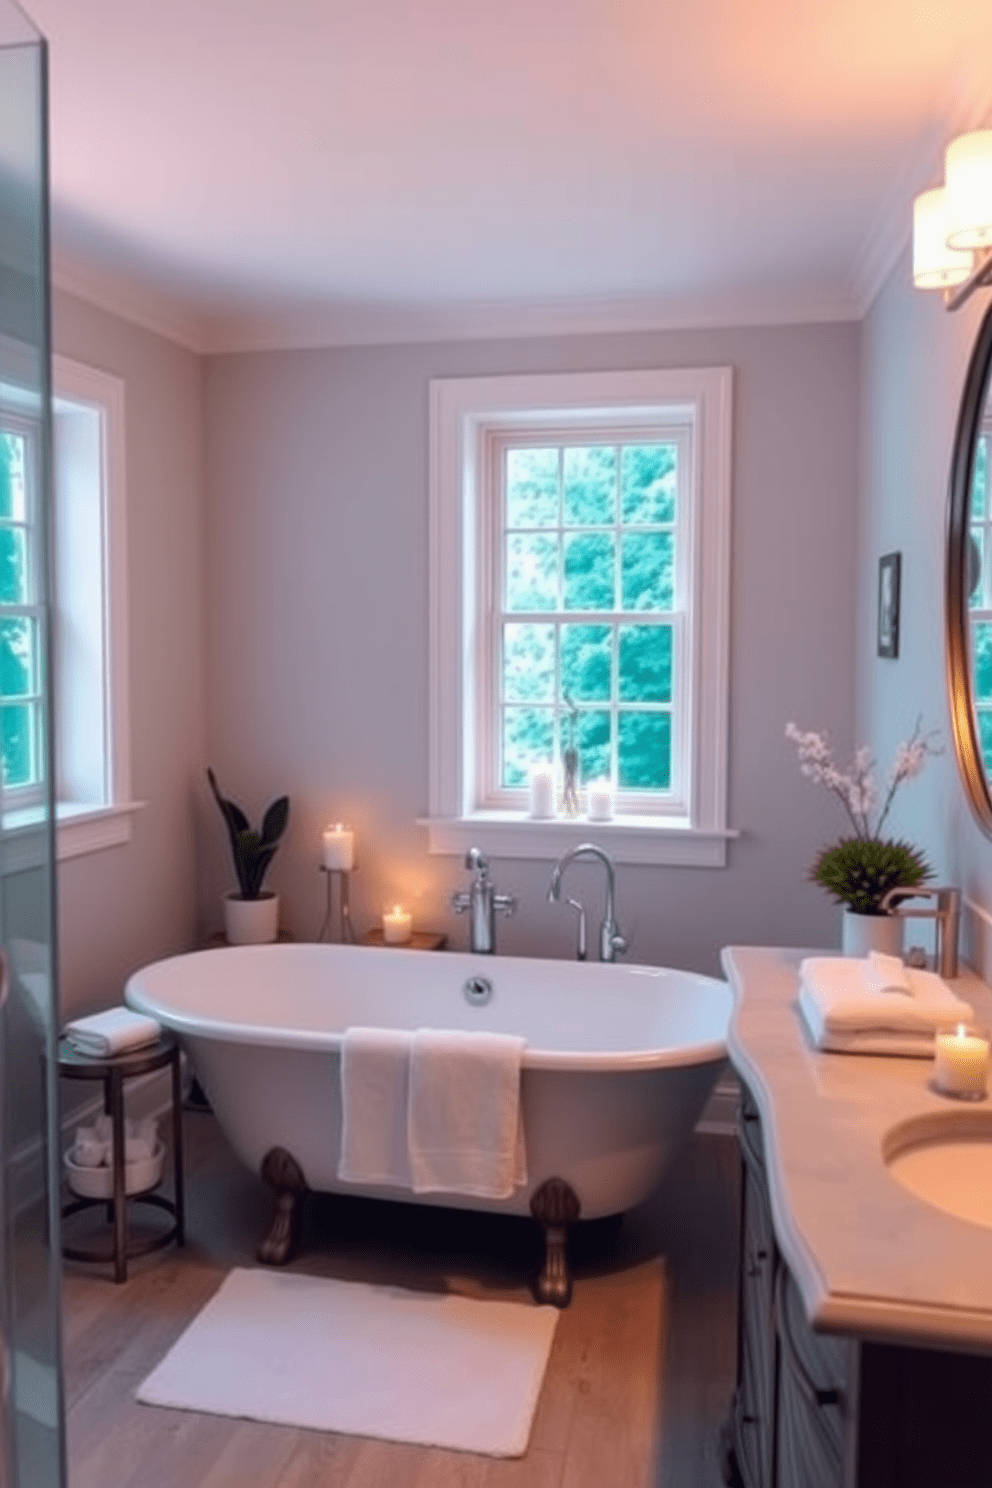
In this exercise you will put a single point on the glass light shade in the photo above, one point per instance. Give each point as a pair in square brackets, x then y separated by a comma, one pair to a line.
[935, 266]
[968, 178]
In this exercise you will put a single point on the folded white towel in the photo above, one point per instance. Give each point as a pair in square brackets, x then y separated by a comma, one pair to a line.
[465, 1127]
[117, 1031]
[887, 974]
[374, 1097]
[844, 1014]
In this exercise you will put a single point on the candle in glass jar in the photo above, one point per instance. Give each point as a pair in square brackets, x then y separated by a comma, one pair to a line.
[599, 798]
[542, 791]
[397, 925]
[339, 848]
[961, 1063]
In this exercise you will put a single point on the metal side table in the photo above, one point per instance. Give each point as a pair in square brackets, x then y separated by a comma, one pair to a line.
[112, 1072]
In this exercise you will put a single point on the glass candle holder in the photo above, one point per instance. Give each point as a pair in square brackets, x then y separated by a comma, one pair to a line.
[961, 1063]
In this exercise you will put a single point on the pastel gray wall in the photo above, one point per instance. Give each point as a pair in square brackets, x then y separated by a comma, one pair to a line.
[914, 360]
[126, 905]
[317, 616]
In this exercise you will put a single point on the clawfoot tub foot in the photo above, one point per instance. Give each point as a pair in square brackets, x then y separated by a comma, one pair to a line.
[555, 1206]
[282, 1172]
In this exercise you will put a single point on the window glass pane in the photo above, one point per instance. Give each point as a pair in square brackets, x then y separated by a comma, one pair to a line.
[13, 566]
[593, 739]
[590, 582]
[528, 739]
[17, 744]
[976, 567]
[980, 479]
[18, 650]
[528, 663]
[646, 663]
[982, 663]
[590, 486]
[531, 487]
[648, 570]
[644, 751]
[985, 736]
[586, 662]
[648, 476]
[12, 448]
[532, 573]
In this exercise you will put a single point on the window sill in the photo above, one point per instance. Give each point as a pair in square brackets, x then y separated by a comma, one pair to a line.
[628, 839]
[79, 829]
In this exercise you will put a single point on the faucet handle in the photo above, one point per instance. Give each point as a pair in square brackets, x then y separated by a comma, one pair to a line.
[461, 902]
[505, 903]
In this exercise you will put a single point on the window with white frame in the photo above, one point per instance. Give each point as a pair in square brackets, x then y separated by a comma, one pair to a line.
[579, 593]
[89, 666]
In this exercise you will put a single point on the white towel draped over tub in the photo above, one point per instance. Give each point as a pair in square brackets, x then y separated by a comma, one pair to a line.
[465, 1129]
[434, 1111]
[844, 1012]
[375, 1064]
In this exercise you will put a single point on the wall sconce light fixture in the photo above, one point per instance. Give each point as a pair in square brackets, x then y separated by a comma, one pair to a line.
[952, 225]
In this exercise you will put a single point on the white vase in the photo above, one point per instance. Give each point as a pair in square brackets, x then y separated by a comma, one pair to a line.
[863, 933]
[251, 921]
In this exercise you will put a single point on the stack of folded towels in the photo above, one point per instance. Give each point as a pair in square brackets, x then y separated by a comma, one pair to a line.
[435, 1111]
[117, 1031]
[94, 1146]
[876, 1005]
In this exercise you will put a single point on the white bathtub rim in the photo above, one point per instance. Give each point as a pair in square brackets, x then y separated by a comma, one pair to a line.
[190, 1025]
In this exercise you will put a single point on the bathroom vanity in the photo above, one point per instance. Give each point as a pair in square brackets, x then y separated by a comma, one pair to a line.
[864, 1310]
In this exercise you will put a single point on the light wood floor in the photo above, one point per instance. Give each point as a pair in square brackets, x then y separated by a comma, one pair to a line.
[638, 1383]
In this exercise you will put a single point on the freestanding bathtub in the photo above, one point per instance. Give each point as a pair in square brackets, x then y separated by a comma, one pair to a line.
[619, 1062]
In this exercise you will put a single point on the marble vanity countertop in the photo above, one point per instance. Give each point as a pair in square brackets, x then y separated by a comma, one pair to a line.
[868, 1256]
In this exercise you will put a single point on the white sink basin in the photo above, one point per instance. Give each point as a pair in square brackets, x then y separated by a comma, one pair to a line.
[945, 1159]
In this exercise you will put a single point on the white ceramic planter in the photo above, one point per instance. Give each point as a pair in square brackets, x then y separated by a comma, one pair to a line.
[861, 934]
[251, 921]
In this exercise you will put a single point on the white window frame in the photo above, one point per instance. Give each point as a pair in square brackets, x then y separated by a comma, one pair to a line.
[464, 414]
[90, 625]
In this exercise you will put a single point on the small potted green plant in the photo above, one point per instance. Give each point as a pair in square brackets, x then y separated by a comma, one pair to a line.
[858, 871]
[251, 916]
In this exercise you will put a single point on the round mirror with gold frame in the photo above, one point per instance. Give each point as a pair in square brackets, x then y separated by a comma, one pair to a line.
[968, 594]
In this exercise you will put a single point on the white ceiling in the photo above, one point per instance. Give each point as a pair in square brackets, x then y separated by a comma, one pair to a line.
[273, 172]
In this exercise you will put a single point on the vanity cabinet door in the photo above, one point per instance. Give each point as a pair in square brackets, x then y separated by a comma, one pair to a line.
[754, 1401]
[812, 1396]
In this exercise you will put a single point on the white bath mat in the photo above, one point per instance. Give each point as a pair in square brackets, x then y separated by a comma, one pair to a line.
[437, 1370]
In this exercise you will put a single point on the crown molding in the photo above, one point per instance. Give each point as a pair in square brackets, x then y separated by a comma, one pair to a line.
[129, 297]
[293, 327]
[340, 326]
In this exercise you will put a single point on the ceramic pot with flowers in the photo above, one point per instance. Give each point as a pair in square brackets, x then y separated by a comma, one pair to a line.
[859, 869]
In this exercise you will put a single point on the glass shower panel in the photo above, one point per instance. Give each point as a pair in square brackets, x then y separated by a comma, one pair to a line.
[32, 1452]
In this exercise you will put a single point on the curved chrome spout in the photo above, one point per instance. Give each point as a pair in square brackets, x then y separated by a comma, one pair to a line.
[611, 942]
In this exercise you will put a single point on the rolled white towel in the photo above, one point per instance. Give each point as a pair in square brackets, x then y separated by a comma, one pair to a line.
[89, 1150]
[116, 1031]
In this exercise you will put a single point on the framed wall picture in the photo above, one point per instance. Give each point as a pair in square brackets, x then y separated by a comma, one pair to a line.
[889, 568]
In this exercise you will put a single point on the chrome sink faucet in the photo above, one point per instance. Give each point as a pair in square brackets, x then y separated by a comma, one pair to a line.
[947, 916]
[611, 942]
[481, 902]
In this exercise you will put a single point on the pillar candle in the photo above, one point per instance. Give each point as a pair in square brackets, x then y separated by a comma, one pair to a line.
[599, 800]
[339, 848]
[961, 1063]
[397, 925]
[542, 791]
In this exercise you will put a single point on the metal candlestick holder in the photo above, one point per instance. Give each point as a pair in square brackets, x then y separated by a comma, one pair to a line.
[346, 930]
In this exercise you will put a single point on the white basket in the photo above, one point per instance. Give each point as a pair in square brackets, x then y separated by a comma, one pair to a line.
[98, 1183]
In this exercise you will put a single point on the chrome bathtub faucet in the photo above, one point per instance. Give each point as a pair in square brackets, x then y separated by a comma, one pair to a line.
[946, 914]
[481, 902]
[611, 942]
